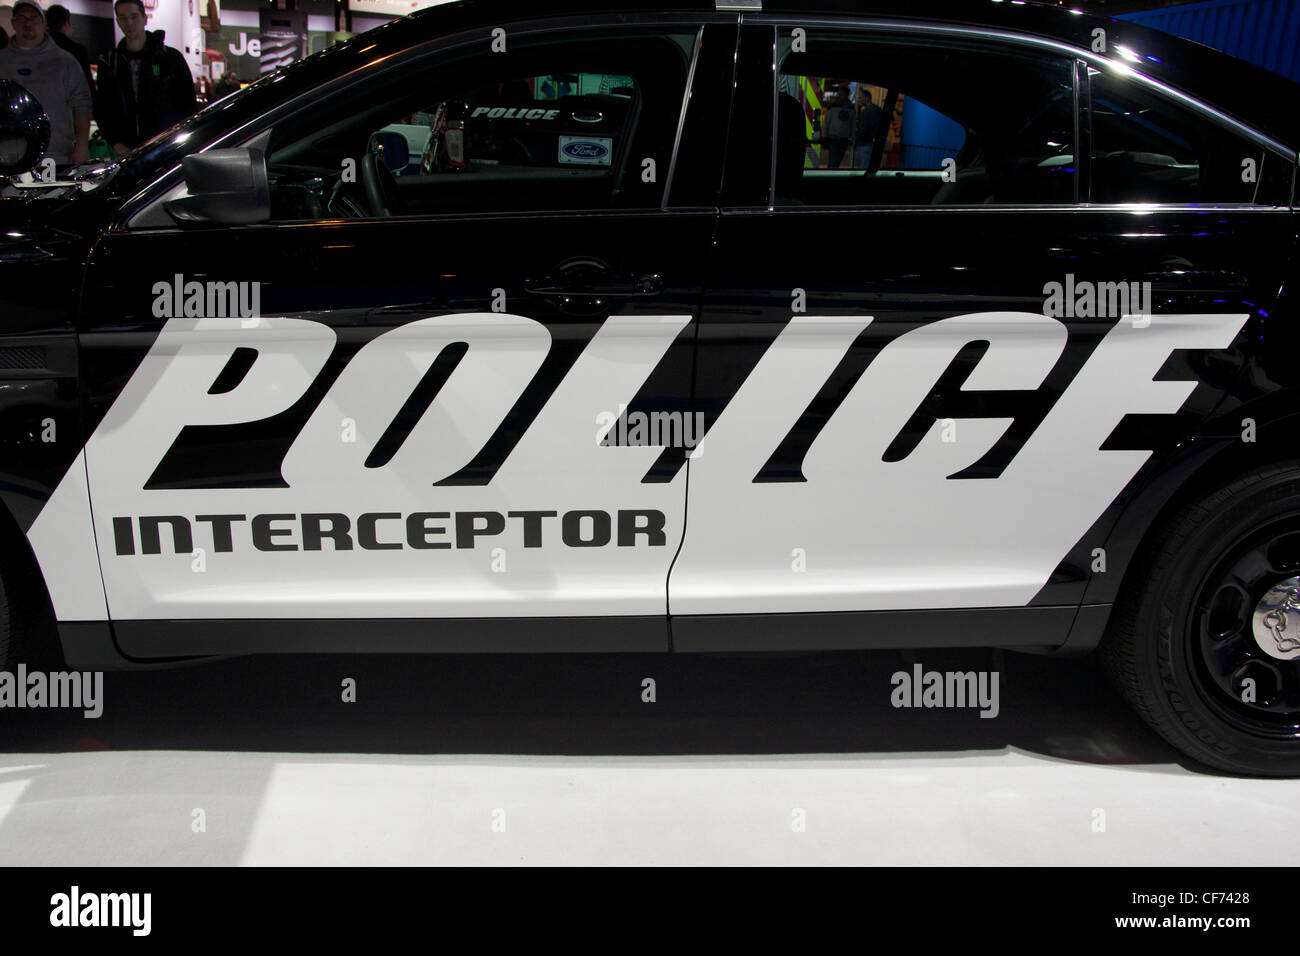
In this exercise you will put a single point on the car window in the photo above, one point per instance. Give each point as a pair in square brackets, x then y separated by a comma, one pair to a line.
[1148, 149]
[843, 117]
[576, 122]
[870, 121]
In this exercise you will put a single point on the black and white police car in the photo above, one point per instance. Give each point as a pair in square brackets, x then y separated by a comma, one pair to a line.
[633, 360]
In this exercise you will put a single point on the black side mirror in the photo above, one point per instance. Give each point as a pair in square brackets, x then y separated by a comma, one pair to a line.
[24, 129]
[392, 149]
[226, 187]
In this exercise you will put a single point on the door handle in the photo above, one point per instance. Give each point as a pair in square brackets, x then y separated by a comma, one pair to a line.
[596, 287]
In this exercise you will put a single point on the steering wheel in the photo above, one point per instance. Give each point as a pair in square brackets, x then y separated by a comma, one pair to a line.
[379, 185]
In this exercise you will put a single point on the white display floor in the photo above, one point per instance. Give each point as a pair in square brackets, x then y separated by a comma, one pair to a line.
[556, 760]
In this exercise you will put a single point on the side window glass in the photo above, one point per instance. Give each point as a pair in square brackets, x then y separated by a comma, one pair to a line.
[864, 121]
[582, 122]
[844, 117]
[1148, 149]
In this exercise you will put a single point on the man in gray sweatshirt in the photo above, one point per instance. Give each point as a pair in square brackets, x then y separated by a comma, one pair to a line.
[52, 76]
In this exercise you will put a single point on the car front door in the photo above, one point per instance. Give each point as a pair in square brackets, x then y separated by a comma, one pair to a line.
[444, 382]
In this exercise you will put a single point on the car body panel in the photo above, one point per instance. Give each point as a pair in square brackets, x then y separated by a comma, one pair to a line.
[823, 506]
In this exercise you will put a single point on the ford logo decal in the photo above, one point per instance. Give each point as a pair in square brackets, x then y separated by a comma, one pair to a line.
[585, 150]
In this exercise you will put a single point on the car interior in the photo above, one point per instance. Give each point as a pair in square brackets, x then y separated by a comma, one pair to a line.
[1016, 147]
[1144, 150]
[361, 165]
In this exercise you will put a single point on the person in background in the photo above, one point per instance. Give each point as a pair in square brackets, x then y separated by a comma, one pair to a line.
[868, 122]
[145, 87]
[59, 22]
[229, 83]
[837, 127]
[53, 77]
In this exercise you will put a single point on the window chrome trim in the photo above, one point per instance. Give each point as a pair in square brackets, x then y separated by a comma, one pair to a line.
[1082, 130]
[1113, 67]
[503, 217]
[1137, 209]
[776, 113]
[681, 117]
[310, 99]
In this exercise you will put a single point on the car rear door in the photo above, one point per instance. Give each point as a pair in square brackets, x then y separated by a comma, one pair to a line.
[912, 406]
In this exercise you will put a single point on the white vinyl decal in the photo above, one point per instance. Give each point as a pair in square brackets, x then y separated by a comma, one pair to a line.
[866, 534]
[505, 352]
[63, 540]
[568, 523]
[565, 528]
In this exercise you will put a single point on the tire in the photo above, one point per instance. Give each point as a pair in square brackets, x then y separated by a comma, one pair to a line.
[1182, 646]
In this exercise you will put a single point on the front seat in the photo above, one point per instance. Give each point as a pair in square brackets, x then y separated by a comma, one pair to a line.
[973, 184]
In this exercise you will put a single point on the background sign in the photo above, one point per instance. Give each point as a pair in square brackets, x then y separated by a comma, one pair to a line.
[283, 39]
[391, 8]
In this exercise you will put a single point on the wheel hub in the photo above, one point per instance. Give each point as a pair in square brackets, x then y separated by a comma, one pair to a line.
[1276, 622]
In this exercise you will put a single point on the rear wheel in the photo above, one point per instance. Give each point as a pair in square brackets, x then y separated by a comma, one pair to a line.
[1205, 643]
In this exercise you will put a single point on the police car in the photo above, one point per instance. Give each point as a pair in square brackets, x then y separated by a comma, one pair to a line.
[633, 360]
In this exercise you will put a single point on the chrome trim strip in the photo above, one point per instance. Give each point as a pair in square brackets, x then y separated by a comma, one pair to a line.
[719, 193]
[681, 118]
[776, 109]
[1079, 79]
[647, 213]
[1142, 209]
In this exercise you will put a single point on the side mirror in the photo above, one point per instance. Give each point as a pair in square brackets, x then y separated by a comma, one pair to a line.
[392, 150]
[24, 129]
[225, 186]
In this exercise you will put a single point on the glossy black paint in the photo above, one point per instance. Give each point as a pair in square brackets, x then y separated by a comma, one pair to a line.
[147, 640]
[832, 631]
[42, 254]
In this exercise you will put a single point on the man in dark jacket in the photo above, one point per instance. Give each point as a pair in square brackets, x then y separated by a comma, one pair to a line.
[864, 132]
[58, 22]
[144, 86]
[229, 83]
